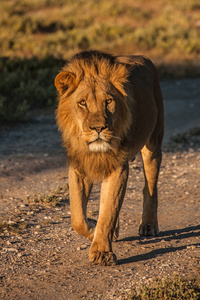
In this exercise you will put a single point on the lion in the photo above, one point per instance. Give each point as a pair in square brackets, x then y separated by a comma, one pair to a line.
[110, 109]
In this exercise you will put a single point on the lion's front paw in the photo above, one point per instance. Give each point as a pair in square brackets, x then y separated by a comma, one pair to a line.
[103, 258]
[148, 230]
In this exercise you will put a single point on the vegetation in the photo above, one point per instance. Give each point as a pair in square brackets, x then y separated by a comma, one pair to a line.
[174, 288]
[37, 36]
[60, 28]
[53, 198]
[188, 137]
[26, 84]
[12, 227]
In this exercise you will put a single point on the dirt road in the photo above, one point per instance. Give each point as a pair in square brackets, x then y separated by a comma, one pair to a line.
[41, 257]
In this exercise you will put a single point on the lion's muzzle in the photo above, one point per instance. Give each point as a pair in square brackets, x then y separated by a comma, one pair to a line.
[99, 142]
[99, 146]
[99, 137]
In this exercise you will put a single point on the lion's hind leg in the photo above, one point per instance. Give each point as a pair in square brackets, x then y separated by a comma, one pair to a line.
[152, 156]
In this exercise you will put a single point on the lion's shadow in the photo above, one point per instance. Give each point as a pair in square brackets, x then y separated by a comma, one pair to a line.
[170, 235]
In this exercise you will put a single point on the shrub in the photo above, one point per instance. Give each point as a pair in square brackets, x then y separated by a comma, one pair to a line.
[26, 84]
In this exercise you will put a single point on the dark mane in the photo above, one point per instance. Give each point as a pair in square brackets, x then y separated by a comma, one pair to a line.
[93, 55]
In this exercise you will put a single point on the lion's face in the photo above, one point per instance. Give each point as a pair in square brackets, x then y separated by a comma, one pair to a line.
[95, 105]
[92, 114]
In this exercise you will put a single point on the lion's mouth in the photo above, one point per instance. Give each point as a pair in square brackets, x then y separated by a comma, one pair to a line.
[98, 140]
[99, 145]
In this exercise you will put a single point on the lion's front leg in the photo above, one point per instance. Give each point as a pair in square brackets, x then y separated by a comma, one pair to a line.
[112, 195]
[79, 191]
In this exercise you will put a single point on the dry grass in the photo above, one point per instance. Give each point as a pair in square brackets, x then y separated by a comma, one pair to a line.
[37, 36]
[12, 227]
[61, 28]
[175, 287]
[52, 198]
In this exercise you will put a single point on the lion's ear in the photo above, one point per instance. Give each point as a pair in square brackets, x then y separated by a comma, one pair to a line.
[63, 81]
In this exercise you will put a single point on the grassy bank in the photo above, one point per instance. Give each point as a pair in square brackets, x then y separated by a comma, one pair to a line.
[36, 38]
[175, 287]
[60, 28]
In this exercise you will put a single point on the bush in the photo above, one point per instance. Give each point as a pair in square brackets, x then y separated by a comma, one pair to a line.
[26, 84]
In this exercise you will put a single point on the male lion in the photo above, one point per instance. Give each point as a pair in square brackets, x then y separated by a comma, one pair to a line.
[110, 108]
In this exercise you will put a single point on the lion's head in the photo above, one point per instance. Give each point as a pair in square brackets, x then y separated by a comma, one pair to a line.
[92, 114]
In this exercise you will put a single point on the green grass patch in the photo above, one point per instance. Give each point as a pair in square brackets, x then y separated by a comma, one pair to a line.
[169, 288]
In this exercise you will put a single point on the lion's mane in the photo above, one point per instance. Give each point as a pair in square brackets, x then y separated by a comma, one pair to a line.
[94, 65]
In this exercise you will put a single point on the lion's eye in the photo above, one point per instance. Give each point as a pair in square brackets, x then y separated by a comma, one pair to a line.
[108, 101]
[82, 103]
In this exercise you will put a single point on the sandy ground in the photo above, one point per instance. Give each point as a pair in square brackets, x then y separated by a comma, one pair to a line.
[41, 257]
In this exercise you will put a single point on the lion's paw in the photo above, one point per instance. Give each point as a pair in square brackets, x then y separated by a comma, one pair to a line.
[148, 230]
[103, 258]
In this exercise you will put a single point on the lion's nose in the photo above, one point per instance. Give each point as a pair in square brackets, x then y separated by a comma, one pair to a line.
[98, 129]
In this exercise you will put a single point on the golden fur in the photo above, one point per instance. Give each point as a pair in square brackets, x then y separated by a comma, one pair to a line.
[96, 165]
[110, 108]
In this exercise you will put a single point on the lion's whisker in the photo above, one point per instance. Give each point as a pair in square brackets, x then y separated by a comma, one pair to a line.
[116, 137]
